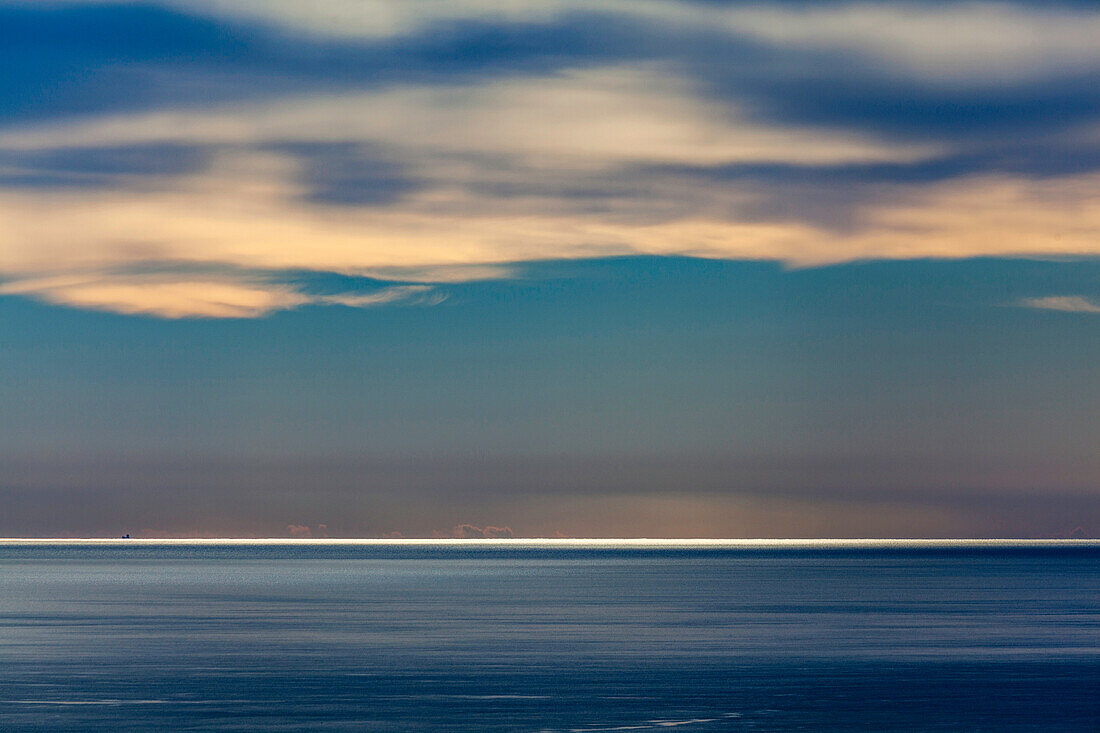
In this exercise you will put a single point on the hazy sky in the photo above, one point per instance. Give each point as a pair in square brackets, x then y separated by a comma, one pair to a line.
[588, 267]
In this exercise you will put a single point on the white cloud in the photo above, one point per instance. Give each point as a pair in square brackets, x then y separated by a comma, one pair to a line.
[250, 211]
[395, 294]
[1065, 303]
[579, 119]
[968, 42]
[959, 43]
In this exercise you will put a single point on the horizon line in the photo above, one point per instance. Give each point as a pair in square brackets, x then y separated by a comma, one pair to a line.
[562, 541]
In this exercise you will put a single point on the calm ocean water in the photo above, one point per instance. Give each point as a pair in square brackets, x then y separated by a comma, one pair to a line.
[141, 637]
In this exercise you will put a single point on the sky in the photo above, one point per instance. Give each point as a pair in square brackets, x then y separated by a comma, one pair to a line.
[663, 268]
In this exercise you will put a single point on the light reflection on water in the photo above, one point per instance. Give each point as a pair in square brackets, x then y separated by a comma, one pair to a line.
[503, 637]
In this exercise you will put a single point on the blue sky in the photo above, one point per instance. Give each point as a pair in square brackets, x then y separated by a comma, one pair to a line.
[649, 267]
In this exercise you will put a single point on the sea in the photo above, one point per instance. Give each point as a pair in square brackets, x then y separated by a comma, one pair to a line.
[579, 636]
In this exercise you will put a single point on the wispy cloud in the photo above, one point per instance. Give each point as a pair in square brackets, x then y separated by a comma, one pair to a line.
[944, 41]
[1065, 303]
[173, 296]
[430, 142]
[246, 212]
[577, 119]
[965, 43]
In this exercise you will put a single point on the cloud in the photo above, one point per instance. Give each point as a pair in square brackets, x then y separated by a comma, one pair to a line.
[422, 294]
[578, 119]
[247, 212]
[945, 42]
[305, 532]
[350, 173]
[188, 159]
[99, 166]
[167, 297]
[470, 532]
[299, 531]
[870, 65]
[384, 18]
[959, 44]
[171, 296]
[1064, 303]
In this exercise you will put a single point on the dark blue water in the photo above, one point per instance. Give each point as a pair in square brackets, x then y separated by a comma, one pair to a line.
[359, 638]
